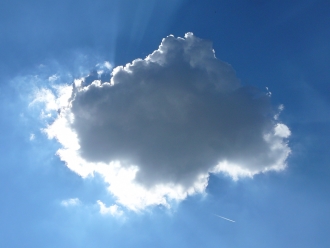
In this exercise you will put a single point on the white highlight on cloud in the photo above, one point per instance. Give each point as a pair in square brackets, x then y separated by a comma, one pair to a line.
[112, 210]
[282, 130]
[70, 202]
[233, 170]
[32, 136]
[46, 96]
[163, 123]
[55, 99]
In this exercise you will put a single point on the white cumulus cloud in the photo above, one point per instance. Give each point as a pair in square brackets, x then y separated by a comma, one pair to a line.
[161, 124]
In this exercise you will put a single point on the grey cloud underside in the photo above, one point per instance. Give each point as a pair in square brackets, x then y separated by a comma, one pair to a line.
[175, 115]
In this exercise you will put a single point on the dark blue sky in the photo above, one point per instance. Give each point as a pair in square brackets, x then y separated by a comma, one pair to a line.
[276, 44]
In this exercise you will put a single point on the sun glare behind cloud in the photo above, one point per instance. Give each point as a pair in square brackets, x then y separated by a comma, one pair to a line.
[161, 124]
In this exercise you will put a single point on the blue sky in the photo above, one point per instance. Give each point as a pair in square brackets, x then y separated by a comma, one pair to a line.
[276, 44]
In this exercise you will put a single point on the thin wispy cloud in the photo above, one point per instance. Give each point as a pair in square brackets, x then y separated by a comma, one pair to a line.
[113, 210]
[70, 202]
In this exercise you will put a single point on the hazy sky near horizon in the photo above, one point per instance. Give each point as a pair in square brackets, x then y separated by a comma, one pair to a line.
[140, 123]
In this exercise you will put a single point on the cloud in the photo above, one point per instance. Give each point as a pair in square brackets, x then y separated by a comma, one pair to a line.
[282, 130]
[112, 210]
[160, 125]
[70, 202]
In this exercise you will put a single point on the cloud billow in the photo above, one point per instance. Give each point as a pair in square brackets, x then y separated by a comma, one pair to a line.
[171, 119]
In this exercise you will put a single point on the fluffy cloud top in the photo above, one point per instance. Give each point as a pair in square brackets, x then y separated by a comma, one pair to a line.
[163, 123]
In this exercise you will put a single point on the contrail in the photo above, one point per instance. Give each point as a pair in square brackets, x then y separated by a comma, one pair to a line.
[224, 218]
